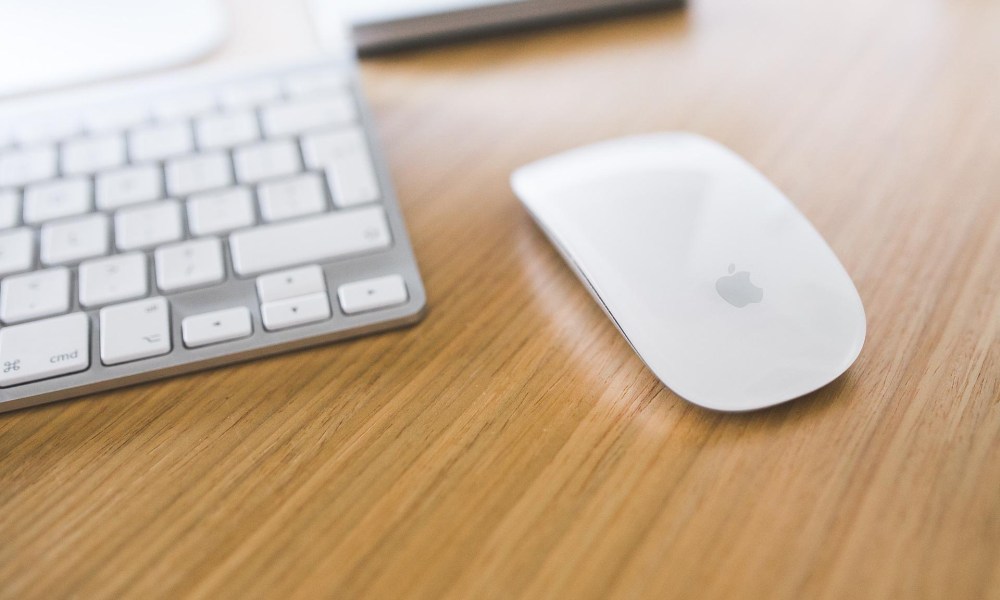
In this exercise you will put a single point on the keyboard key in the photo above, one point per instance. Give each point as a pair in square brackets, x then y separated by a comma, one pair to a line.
[288, 198]
[321, 81]
[218, 326]
[44, 349]
[345, 156]
[250, 94]
[189, 265]
[20, 167]
[148, 225]
[129, 186]
[10, 207]
[135, 330]
[17, 250]
[325, 237]
[220, 212]
[85, 156]
[372, 294]
[56, 199]
[198, 173]
[113, 279]
[34, 295]
[297, 117]
[157, 142]
[326, 147]
[266, 160]
[293, 283]
[227, 130]
[73, 240]
[295, 311]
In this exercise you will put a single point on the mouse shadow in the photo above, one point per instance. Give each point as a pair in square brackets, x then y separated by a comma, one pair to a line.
[802, 407]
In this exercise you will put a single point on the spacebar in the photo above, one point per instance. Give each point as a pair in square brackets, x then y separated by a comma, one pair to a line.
[324, 237]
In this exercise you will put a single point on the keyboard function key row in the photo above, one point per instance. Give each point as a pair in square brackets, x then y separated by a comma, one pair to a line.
[300, 116]
[122, 115]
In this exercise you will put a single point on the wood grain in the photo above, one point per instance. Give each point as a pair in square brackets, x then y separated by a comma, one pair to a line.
[511, 445]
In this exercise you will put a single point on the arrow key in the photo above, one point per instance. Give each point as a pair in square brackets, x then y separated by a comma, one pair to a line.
[218, 326]
[283, 314]
[372, 294]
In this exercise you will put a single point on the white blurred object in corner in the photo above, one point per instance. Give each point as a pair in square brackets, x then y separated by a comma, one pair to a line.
[47, 44]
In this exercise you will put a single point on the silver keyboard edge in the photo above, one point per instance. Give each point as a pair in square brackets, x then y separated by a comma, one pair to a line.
[77, 392]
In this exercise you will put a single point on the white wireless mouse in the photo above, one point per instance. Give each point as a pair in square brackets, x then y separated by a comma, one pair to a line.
[718, 282]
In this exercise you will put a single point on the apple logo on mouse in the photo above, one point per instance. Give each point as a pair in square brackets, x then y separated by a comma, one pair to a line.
[737, 289]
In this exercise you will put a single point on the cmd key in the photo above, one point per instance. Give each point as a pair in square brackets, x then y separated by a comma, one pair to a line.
[44, 349]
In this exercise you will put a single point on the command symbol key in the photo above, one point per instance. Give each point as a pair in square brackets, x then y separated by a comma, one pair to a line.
[44, 349]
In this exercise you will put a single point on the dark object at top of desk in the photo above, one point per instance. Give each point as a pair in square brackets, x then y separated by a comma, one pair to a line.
[396, 32]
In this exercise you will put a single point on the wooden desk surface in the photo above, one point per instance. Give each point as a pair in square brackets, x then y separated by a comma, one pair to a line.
[512, 445]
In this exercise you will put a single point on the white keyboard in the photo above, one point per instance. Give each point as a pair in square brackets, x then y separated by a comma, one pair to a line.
[172, 225]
